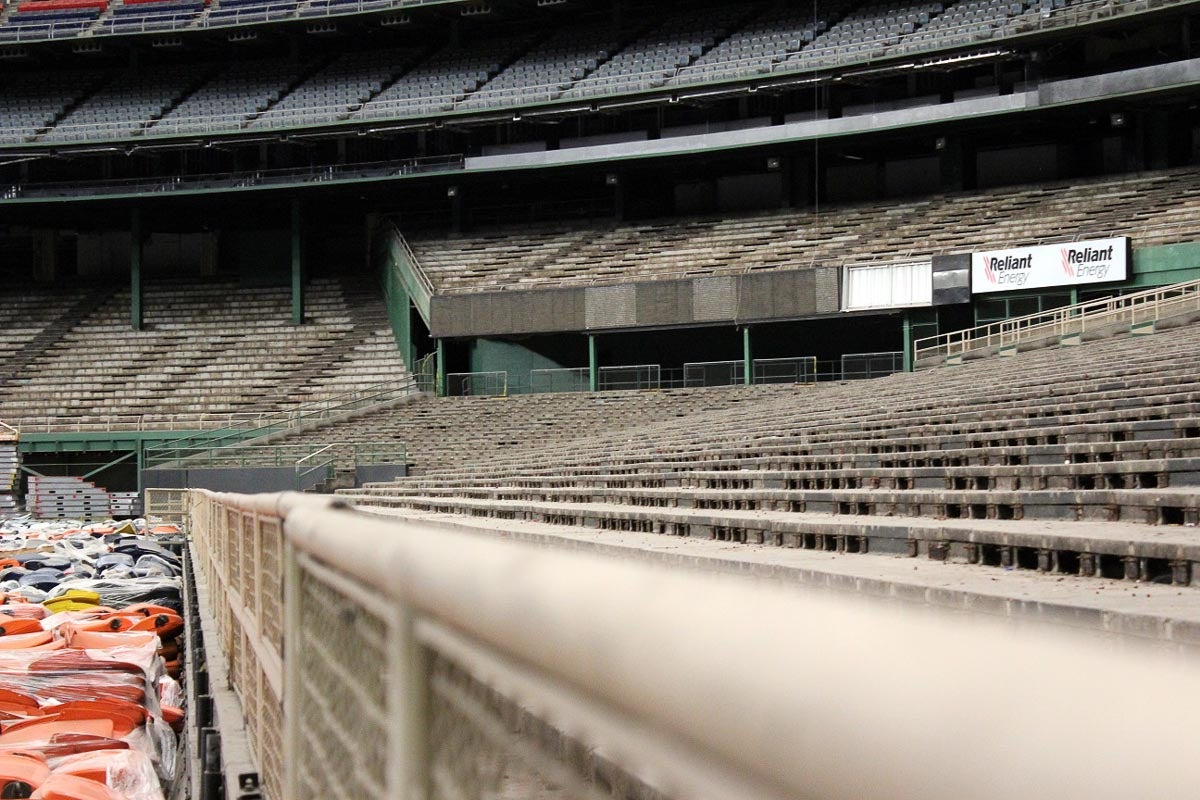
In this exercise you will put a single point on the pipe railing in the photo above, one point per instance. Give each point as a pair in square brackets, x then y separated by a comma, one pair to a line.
[360, 400]
[344, 455]
[254, 178]
[8, 433]
[1144, 306]
[124, 423]
[425, 660]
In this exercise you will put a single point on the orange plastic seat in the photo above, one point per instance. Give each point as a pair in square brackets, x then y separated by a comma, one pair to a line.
[106, 624]
[65, 691]
[125, 715]
[25, 767]
[165, 625]
[44, 730]
[61, 786]
[20, 641]
[146, 609]
[173, 716]
[95, 640]
[10, 626]
[9, 697]
[69, 744]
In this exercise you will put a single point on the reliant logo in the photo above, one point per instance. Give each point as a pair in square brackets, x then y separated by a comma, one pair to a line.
[1007, 271]
[1087, 262]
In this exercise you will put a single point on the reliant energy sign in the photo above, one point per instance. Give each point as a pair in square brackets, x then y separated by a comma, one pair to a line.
[1066, 264]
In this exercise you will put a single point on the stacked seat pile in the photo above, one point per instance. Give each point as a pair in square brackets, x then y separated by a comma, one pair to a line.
[90, 708]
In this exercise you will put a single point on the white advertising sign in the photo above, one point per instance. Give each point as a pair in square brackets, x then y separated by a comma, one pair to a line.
[1066, 264]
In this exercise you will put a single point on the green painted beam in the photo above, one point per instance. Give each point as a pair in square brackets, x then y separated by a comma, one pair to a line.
[135, 269]
[297, 265]
[103, 441]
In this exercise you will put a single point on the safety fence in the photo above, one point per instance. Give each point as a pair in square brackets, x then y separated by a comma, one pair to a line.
[384, 658]
[692, 375]
[1137, 308]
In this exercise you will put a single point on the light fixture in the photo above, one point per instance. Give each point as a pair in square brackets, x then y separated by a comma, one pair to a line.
[452, 192]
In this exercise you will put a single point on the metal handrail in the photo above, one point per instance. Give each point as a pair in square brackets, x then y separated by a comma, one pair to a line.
[8, 432]
[414, 263]
[253, 178]
[280, 455]
[592, 647]
[118, 423]
[359, 400]
[1060, 321]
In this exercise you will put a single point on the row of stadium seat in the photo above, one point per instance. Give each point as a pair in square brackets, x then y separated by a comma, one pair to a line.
[1153, 208]
[207, 348]
[991, 460]
[677, 48]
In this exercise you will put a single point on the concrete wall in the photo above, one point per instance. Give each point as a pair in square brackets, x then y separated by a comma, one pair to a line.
[783, 294]
[249, 480]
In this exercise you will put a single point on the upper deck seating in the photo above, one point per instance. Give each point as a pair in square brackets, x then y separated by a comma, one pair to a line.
[1152, 208]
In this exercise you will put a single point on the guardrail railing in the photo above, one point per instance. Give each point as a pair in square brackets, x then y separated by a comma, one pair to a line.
[340, 455]
[375, 396]
[126, 423]
[249, 179]
[8, 433]
[1144, 306]
[424, 661]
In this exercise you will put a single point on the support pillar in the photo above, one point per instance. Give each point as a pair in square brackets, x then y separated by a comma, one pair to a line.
[135, 269]
[593, 365]
[747, 358]
[440, 378]
[908, 342]
[297, 266]
[1074, 295]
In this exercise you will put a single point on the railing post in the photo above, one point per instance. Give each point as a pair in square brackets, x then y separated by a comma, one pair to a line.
[292, 731]
[297, 254]
[747, 358]
[408, 732]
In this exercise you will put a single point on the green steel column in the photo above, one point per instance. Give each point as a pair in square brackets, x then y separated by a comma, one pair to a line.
[908, 342]
[141, 463]
[747, 358]
[297, 266]
[135, 269]
[593, 365]
[1074, 295]
[440, 381]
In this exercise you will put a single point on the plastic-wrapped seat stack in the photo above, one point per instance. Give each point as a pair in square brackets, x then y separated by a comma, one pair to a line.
[89, 654]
